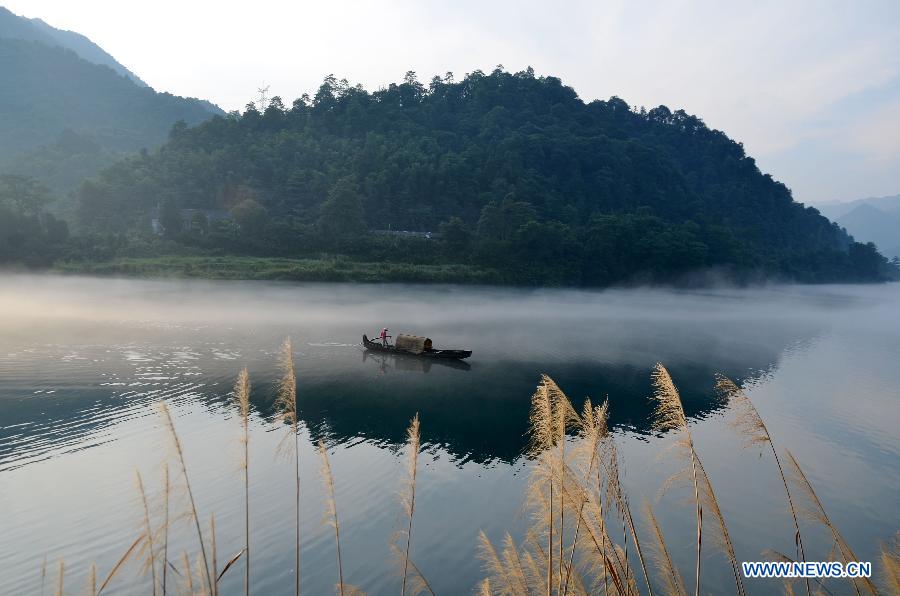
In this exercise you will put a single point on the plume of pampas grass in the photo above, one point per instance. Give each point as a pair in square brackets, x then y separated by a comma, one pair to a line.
[286, 405]
[815, 511]
[484, 588]
[331, 515]
[62, 575]
[148, 529]
[620, 498]
[497, 568]
[120, 563]
[669, 412]
[92, 580]
[408, 496]
[751, 425]
[551, 414]
[890, 561]
[672, 580]
[43, 574]
[242, 397]
[176, 442]
[669, 415]
[188, 572]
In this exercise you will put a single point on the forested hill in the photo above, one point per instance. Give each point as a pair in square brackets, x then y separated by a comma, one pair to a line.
[514, 172]
[16, 27]
[67, 108]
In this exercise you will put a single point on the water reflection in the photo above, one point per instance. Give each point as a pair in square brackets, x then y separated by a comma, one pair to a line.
[82, 361]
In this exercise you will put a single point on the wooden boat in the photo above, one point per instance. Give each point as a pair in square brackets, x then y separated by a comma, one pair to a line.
[414, 345]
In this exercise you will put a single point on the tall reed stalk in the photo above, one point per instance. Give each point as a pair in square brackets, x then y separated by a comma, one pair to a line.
[815, 511]
[92, 580]
[331, 514]
[148, 529]
[166, 489]
[751, 425]
[242, 396]
[408, 497]
[176, 441]
[215, 561]
[286, 404]
[60, 585]
[669, 415]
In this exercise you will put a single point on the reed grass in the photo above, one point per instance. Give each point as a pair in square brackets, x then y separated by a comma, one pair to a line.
[176, 442]
[242, 396]
[286, 405]
[672, 580]
[751, 426]
[92, 580]
[669, 415]
[574, 493]
[165, 528]
[60, 586]
[408, 495]
[188, 573]
[119, 564]
[890, 560]
[215, 561]
[815, 511]
[148, 530]
[331, 514]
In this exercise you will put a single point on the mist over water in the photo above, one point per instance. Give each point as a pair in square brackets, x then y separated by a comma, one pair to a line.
[83, 361]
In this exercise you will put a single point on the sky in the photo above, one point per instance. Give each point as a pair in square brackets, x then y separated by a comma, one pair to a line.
[811, 88]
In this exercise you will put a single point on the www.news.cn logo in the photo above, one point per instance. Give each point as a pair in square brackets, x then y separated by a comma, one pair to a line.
[809, 569]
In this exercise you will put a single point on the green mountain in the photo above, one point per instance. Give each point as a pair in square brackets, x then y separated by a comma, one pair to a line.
[68, 109]
[511, 172]
[16, 27]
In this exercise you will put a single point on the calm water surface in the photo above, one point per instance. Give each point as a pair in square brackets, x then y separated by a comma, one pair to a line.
[84, 361]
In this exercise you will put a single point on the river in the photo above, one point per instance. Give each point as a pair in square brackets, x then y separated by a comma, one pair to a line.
[84, 362]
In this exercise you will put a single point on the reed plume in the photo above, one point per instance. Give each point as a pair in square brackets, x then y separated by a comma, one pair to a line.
[331, 515]
[890, 561]
[43, 574]
[408, 496]
[815, 511]
[62, 575]
[593, 432]
[188, 572]
[751, 425]
[148, 530]
[242, 397]
[286, 405]
[497, 569]
[669, 415]
[92, 580]
[176, 442]
[672, 580]
[551, 415]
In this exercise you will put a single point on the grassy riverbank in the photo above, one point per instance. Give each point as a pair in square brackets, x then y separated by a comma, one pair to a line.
[271, 268]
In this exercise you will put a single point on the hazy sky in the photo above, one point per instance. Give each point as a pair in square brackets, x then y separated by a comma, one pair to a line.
[812, 89]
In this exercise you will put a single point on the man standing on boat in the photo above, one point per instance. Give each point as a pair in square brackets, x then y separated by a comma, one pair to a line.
[384, 337]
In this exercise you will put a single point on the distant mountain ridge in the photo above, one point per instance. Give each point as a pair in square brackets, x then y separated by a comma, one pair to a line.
[68, 108]
[15, 27]
[874, 219]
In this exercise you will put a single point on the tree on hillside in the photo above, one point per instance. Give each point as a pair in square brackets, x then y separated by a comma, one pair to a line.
[342, 215]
